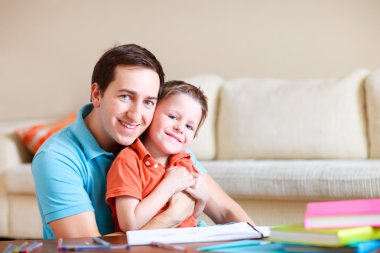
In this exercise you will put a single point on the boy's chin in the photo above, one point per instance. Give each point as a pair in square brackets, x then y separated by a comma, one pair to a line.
[173, 151]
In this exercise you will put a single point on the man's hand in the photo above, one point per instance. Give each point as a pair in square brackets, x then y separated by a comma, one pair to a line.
[181, 206]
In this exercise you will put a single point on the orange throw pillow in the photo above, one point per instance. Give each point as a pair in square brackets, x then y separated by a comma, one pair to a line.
[34, 136]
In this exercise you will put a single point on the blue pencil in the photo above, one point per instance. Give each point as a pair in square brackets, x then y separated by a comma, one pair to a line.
[92, 247]
[100, 241]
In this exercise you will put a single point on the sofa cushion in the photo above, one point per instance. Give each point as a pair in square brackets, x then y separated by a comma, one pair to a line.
[280, 119]
[298, 179]
[372, 87]
[204, 145]
[35, 135]
[19, 180]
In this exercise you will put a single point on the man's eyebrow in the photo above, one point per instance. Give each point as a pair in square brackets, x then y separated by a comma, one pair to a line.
[128, 91]
[134, 93]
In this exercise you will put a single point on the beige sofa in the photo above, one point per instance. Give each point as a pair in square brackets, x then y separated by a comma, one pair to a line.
[272, 144]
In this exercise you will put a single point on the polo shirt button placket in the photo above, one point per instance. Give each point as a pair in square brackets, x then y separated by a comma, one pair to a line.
[155, 166]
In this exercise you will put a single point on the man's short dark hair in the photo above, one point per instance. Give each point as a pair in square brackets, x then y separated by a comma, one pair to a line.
[125, 55]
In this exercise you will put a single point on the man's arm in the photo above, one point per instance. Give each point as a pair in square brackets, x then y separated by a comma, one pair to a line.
[65, 205]
[79, 225]
[220, 207]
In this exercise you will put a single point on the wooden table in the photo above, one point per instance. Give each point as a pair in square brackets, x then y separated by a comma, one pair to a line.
[50, 246]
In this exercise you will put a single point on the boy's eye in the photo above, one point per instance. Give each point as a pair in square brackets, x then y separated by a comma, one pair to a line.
[172, 116]
[190, 127]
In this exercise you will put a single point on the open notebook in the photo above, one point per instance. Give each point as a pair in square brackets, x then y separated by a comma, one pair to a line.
[234, 231]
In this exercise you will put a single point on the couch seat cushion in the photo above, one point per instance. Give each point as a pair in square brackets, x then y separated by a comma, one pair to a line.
[298, 179]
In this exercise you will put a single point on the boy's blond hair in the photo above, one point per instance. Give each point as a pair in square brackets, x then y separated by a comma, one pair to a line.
[176, 87]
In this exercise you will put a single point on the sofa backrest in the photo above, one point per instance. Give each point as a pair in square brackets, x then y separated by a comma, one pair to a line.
[204, 145]
[281, 119]
[372, 87]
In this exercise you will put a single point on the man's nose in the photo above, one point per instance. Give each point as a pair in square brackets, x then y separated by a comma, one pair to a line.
[134, 112]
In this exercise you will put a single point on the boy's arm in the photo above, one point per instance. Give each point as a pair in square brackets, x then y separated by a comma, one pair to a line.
[220, 207]
[133, 214]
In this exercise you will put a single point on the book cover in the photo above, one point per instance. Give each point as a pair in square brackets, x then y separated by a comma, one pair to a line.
[340, 214]
[296, 233]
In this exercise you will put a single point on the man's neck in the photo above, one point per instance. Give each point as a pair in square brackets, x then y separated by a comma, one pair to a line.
[92, 121]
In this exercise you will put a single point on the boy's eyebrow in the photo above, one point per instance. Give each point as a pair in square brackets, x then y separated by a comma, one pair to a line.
[134, 93]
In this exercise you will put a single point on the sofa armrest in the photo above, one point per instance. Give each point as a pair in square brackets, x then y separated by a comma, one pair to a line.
[12, 151]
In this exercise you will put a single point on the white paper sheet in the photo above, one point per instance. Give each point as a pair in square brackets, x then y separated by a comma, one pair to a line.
[235, 231]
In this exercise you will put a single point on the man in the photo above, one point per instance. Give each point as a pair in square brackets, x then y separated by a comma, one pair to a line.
[70, 168]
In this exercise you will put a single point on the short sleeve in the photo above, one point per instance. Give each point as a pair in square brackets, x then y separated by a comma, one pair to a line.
[197, 164]
[59, 186]
[123, 178]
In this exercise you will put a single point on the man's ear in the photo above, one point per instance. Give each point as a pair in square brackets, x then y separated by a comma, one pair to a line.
[95, 95]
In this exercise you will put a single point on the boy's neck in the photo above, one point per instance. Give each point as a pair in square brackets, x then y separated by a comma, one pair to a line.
[154, 152]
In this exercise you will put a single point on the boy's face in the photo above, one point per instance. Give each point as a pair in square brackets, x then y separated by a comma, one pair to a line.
[127, 106]
[174, 125]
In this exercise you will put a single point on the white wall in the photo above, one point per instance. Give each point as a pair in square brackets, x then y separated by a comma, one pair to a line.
[49, 47]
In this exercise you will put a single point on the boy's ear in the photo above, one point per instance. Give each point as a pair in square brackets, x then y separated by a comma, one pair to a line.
[95, 95]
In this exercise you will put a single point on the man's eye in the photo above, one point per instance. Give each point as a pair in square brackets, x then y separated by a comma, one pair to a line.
[149, 103]
[125, 97]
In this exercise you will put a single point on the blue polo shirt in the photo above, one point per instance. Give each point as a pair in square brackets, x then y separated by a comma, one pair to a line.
[69, 172]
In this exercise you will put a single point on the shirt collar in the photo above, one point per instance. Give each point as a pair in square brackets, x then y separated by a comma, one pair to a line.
[89, 144]
[143, 154]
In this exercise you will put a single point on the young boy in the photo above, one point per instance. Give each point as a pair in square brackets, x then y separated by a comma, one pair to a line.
[140, 181]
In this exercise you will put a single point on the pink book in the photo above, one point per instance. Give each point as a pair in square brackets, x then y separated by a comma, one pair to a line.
[344, 213]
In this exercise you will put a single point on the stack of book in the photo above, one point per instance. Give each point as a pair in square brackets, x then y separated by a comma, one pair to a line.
[333, 226]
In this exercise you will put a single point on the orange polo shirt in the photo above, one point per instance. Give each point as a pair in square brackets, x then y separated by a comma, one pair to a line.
[135, 173]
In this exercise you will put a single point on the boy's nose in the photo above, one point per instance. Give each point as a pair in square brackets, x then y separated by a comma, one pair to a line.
[178, 128]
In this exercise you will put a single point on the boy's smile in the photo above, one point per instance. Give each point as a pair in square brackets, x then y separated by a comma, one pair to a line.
[174, 124]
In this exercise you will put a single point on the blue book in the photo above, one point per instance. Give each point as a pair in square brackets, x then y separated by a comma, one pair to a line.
[256, 246]
[359, 247]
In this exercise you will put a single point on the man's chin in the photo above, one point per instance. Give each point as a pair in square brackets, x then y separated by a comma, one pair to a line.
[127, 141]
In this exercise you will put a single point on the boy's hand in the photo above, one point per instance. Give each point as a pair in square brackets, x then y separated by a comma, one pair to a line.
[199, 191]
[178, 179]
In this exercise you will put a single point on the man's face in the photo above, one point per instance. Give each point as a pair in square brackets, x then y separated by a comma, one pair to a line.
[174, 125]
[126, 108]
